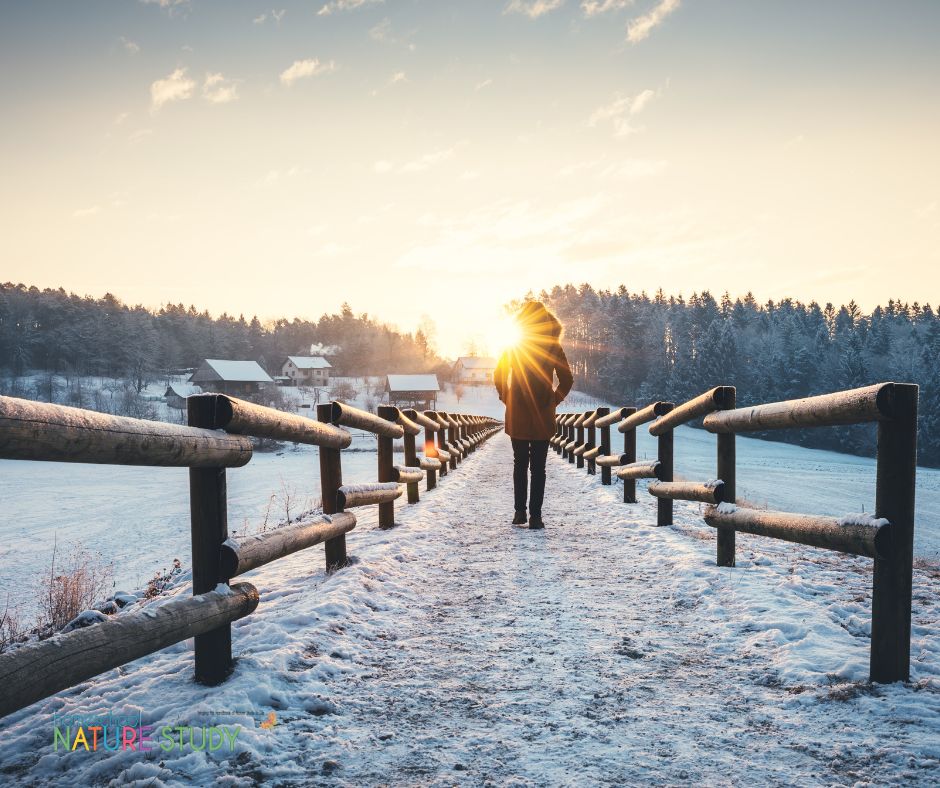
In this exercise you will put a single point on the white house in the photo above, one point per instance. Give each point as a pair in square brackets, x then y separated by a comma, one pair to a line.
[474, 369]
[306, 370]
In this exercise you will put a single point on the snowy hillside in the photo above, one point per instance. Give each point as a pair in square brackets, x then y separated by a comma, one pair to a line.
[460, 651]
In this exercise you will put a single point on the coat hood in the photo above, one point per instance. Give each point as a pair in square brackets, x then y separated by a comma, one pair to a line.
[536, 320]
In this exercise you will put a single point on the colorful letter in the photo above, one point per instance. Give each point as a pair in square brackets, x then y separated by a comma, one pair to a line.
[80, 736]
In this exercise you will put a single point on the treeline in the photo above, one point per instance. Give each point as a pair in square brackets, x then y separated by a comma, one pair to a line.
[63, 333]
[630, 348]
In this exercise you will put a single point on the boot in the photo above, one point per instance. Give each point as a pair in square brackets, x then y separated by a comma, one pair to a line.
[519, 519]
[535, 522]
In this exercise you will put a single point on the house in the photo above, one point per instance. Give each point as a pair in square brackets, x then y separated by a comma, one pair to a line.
[237, 378]
[176, 394]
[306, 370]
[474, 369]
[412, 391]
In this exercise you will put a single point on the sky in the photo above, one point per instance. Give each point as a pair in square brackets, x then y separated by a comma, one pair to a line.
[429, 157]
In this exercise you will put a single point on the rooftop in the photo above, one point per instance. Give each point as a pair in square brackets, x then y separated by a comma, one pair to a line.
[309, 362]
[237, 371]
[412, 383]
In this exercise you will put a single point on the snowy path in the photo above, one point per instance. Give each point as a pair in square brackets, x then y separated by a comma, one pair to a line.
[458, 650]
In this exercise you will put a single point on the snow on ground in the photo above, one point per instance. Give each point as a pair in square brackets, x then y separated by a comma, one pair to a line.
[790, 478]
[138, 518]
[457, 650]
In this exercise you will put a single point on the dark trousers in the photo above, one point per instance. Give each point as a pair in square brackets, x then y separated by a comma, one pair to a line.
[526, 454]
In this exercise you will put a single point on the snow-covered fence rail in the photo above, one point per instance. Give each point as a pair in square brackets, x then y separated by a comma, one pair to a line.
[458, 435]
[56, 433]
[218, 437]
[37, 670]
[888, 537]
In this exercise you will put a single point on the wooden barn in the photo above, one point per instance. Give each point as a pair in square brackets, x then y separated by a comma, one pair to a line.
[223, 376]
[176, 394]
[412, 391]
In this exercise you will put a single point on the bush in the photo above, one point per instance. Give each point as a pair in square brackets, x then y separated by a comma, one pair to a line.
[72, 587]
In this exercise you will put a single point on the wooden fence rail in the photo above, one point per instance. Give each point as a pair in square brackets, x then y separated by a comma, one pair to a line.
[217, 437]
[888, 537]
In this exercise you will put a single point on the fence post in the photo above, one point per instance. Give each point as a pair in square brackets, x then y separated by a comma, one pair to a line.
[605, 448]
[331, 479]
[664, 505]
[727, 472]
[386, 465]
[430, 451]
[571, 433]
[411, 457]
[629, 449]
[452, 441]
[579, 460]
[894, 500]
[605, 445]
[441, 444]
[592, 442]
[209, 529]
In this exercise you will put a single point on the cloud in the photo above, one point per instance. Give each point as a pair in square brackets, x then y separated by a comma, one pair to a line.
[428, 160]
[382, 31]
[218, 90]
[131, 47]
[345, 5]
[485, 83]
[640, 27]
[398, 76]
[630, 169]
[641, 100]
[139, 136]
[620, 110]
[81, 213]
[276, 15]
[170, 6]
[597, 7]
[176, 87]
[301, 69]
[532, 8]
[422, 163]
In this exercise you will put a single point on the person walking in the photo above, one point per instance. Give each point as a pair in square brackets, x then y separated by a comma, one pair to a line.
[524, 379]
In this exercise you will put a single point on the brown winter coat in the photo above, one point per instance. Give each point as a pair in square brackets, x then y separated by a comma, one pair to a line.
[524, 376]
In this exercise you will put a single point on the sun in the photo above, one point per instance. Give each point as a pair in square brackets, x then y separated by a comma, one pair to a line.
[504, 334]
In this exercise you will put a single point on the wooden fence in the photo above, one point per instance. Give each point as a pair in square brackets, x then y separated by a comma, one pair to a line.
[218, 437]
[888, 537]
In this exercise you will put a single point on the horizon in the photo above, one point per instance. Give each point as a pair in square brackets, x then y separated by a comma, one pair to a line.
[445, 159]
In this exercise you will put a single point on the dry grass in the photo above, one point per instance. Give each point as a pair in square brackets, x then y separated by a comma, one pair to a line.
[71, 587]
[10, 631]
